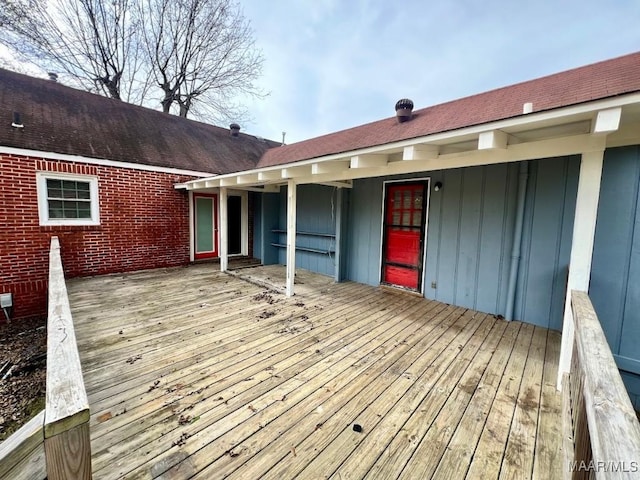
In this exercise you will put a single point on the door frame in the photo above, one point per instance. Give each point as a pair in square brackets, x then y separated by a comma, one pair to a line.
[216, 227]
[427, 181]
[244, 221]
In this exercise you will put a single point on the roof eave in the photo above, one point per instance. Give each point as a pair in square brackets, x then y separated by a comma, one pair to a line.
[419, 153]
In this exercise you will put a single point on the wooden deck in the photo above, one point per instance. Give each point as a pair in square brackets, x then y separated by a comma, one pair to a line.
[196, 374]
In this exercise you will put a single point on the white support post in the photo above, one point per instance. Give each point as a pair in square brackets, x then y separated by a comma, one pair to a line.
[224, 231]
[291, 236]
[584, 228]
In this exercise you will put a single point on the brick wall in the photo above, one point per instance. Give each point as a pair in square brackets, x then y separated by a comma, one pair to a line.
[144, 223]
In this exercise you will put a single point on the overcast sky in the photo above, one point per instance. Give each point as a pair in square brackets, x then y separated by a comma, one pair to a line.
[334, 64]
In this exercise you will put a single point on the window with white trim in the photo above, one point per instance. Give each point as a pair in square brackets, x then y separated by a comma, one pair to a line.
[67, 199]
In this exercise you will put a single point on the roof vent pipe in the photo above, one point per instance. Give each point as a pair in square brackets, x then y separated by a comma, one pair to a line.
[235, 129]
[17, 123]
[404, 108]
[53, 76]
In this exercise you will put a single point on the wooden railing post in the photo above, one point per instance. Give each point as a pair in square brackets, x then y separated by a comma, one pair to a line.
[66, 422]
[604, 427]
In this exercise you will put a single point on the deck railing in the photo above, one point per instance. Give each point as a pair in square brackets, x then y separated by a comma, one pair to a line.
[55, 443]
[602, 433]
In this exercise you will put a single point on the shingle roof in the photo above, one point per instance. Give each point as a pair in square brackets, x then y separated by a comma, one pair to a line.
[597, 81]
[64, 120]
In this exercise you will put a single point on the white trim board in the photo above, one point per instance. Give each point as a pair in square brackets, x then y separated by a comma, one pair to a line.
[63, 157]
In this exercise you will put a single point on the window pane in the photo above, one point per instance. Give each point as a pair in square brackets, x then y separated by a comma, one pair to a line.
[68, 193]
[69, 199]
[84, 194]
[51, 183]
[84, 211]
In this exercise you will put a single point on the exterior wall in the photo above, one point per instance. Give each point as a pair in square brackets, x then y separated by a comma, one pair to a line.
[316, 213]
[470, 235]
[546, 244]
[615, 277]
[143, 224]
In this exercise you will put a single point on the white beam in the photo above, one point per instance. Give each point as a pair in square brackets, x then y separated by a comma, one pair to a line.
[211, 184]
[247, 178]
[584, 228]
[607, 121]
[343, 184]
[192, 232]
[555, 147]
[299, 171]
[224, 231]
[228, 182]
[269, 175]
[369, 161]
[329, 167]
[196, 185]
[420, 152]
[495, 139]
[291, 236]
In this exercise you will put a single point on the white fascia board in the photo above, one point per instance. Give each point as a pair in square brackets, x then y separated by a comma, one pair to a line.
[99, 161]
[532, 119]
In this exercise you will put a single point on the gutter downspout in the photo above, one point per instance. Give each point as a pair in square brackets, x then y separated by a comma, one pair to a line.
[517, 240]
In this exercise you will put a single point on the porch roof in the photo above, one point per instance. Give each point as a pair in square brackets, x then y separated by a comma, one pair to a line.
[566, 118]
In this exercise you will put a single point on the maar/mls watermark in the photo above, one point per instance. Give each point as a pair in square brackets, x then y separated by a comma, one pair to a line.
[604, 467]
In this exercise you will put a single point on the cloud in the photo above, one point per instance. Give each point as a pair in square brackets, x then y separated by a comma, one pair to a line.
[332, 65]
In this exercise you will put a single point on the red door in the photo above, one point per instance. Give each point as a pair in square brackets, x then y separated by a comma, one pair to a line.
[404, 223]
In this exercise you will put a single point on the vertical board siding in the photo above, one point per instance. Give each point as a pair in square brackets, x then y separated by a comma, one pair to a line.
[364, 231]
[615, 276]
[470, 234]
[496, 238]
[316, 213]
[270, 221]
[546, 246]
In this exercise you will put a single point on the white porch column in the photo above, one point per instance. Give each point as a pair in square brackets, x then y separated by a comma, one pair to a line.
[291, 235]
[224, 230]
[584, 228]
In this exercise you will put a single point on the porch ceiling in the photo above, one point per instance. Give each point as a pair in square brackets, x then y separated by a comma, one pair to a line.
[572, 130]
[218, 377]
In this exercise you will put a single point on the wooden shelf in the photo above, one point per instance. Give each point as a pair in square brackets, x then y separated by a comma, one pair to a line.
[306, 249]
[310, 234]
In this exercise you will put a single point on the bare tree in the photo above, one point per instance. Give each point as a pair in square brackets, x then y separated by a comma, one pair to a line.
[203, 55]
[93, 41]
[200, 53]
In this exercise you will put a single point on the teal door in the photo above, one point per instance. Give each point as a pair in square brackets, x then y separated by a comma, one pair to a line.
[206, 226]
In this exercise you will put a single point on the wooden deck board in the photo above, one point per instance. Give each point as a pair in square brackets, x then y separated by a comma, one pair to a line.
[213, 376]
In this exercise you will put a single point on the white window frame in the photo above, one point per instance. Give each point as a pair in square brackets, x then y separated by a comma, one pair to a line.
[43, 202]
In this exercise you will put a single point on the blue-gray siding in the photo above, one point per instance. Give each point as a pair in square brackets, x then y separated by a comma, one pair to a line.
[615, 277]
[316, 213]
[470, 235]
